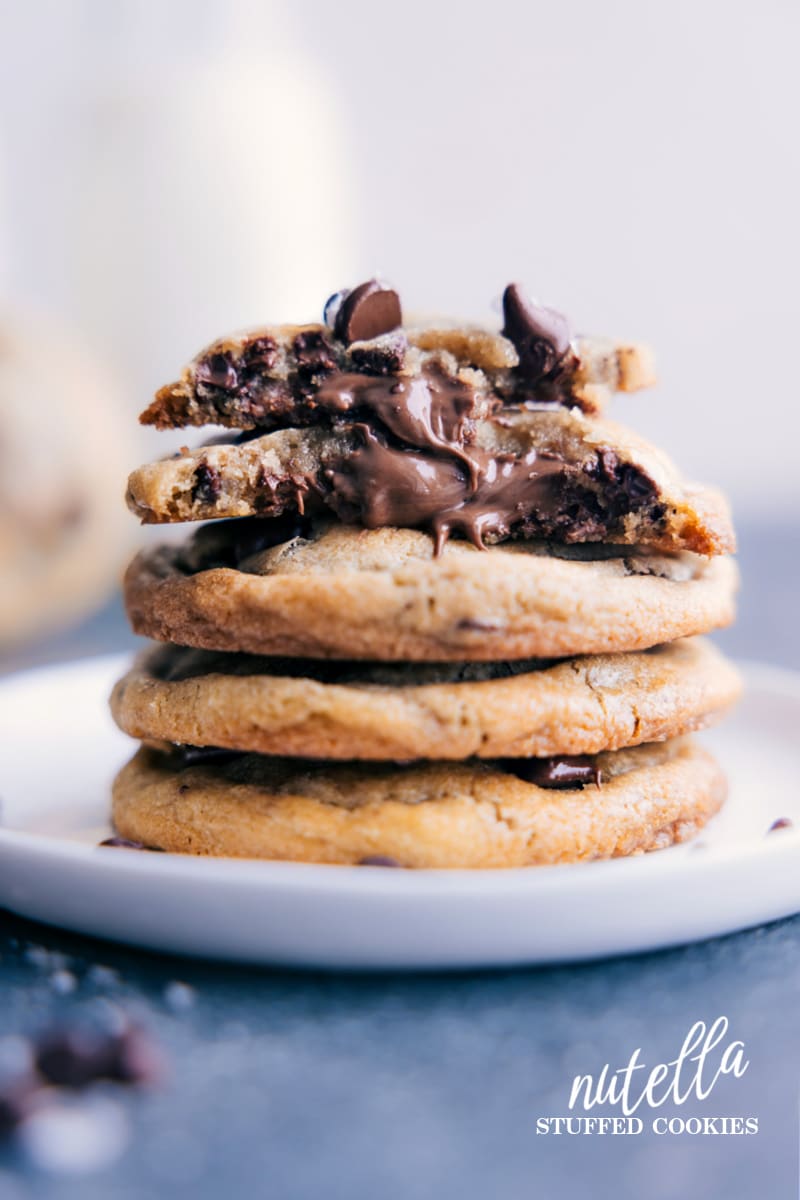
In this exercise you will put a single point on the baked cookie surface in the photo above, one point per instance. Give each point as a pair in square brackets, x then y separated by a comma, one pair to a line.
[339, 710]
[468, 814]
[341, 592]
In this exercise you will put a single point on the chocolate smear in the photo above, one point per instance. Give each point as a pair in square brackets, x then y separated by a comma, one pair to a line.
[380, 485]
[378, 860]
[367, 312]
[541, 336]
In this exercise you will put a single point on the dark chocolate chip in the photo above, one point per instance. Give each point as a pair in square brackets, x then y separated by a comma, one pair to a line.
[634, 483]
[73, 1058]
[16, 1102]
[383, 358]
[207, 484]
[260, 352]
[781, 823]
[563, 771]
[367, 312]
[76, 1057]
[315, 354]
[541, 336]
[217, 371]
[378, 860]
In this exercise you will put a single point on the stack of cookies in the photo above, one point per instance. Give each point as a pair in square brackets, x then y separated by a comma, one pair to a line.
[443, 612]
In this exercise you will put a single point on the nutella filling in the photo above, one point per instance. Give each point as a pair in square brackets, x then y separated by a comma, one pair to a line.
[380, 485]
[562, 772]
[174, 664]
[430, 412]
[418, 467]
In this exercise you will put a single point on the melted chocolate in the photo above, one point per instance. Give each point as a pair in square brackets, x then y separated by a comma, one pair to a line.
[380, 485]
[563, 771]
[431, 412]
[417, 465]
[173, 664]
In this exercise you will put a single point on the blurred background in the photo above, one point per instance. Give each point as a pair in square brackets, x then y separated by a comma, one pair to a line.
[172, 171]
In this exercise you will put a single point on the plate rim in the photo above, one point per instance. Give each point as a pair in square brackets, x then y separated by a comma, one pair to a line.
[328, 877]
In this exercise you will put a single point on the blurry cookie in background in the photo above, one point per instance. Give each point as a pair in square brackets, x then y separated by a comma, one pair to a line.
[62, 448]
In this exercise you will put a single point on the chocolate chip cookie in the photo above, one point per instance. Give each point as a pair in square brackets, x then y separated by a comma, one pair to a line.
[466, 814]
[541, 473]
[340, 710]
[341, 592]
[281, 376]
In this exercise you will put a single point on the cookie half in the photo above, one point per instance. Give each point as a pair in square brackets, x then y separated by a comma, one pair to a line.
[403, 711]
[472, 814]
[269, 377]
[534, 473]
[341, 592]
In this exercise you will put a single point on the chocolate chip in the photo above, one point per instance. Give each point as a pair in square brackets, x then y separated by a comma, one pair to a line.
[315, 354]
[781, 823]
[385, 357]
[563, 771]
[73, 1058]
[207, 484]
[634, 483]
[260, 352]
[541, 336]
[217, 371]
[16, 1102]
[367, 312]
[378, 860]
[76, 1057]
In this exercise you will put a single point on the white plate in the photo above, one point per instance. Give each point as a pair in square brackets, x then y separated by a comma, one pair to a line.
[60, 750]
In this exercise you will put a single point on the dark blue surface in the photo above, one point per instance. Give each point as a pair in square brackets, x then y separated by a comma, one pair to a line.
[299, 1085]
